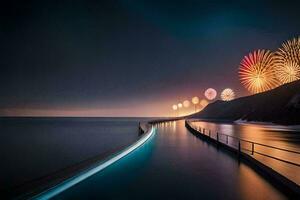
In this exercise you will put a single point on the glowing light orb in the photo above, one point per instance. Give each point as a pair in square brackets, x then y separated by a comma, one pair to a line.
[174, 107]
[287, 60]
[227, 94]
[186, 104]
[179, 105]
[195, 100]
[210, 93]
[256, 71]
[203, 103]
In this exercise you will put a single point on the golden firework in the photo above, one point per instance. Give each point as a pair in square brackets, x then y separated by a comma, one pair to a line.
[227, 94]
[257, 71]
[287, 59]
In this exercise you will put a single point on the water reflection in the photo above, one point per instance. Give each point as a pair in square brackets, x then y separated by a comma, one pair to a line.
[278, 136]
[177, 166]
[284, 137]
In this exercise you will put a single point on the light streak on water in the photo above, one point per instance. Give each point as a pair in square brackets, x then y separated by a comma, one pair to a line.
[84, 175]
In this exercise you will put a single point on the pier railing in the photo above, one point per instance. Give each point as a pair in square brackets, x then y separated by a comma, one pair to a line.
[249, 147]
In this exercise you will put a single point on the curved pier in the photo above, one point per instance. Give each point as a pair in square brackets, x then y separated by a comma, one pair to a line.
[95, 169]
[175, 165]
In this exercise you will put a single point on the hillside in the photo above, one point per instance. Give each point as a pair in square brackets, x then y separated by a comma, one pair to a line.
[280, 105]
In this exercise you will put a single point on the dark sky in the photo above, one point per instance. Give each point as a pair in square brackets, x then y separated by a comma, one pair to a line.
[134, 57]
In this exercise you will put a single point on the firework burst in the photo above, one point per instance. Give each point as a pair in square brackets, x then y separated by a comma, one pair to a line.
[227, 94]
[210, 93]
[288, 61]
[257, 71]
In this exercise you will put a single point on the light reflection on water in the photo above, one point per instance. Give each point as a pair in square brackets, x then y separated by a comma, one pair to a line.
[278, 136]
[284, 137]
[175, 165]
[28, 146]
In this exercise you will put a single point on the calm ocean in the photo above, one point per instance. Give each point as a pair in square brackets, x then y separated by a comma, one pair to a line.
[31, 148]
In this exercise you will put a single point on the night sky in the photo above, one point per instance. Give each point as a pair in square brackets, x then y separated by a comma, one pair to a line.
[129, 58]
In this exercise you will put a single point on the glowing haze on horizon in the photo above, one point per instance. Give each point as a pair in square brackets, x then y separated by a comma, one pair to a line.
[129, 58]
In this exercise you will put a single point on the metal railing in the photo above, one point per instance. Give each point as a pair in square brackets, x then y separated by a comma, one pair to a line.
[241, 145]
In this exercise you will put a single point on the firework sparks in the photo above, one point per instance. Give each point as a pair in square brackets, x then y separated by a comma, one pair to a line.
[210, 93]
[257, 71]
[288, 61]
[227, 94]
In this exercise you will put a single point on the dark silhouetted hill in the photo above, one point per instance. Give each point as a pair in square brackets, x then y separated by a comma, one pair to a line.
[280, 105]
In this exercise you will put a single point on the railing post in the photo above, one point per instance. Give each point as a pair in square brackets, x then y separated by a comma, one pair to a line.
[239, 147]
[217, 137]
[204, 131]
[252, 152]
[226, 139]
[209, 133]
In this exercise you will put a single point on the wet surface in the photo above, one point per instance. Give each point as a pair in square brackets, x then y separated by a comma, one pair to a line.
[286, 137]
[174, 164]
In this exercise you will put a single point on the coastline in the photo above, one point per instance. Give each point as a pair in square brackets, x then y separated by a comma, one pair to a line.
[47, 182]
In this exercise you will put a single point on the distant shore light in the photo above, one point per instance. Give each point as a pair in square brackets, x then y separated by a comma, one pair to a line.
[203, 103]
[174, 107]
[179, 105]
[195, 100]
[186, 103]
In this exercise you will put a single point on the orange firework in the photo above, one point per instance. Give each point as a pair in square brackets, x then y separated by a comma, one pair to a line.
[227, 94]
[288, 61]
[257, 71]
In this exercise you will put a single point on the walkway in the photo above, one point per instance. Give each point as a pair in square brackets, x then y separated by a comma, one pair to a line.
[174, 164]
